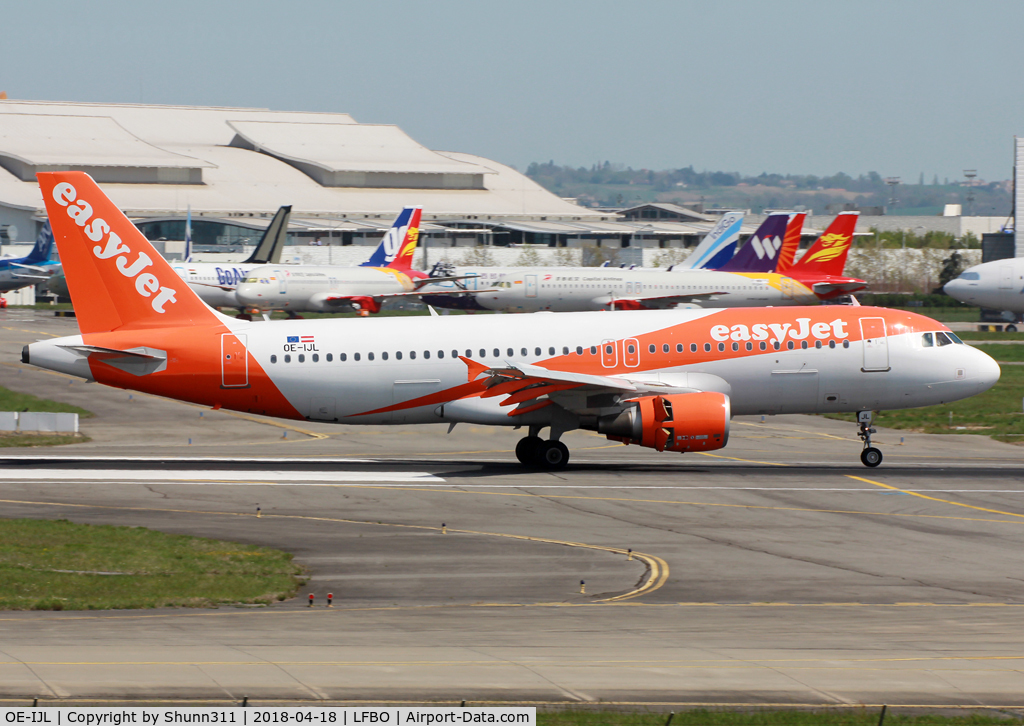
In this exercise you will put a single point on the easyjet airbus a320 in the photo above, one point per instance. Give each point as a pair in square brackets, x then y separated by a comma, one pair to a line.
[667, 380]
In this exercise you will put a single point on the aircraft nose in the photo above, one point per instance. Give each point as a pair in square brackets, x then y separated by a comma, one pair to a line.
[957, 289]
[247, 293]
[984, 370]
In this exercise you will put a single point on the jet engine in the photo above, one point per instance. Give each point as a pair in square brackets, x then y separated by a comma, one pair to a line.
[678, 422]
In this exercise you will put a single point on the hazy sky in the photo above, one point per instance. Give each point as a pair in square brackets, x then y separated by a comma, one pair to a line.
[897, 87]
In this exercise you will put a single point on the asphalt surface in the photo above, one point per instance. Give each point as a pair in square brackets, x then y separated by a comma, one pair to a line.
[778, 570]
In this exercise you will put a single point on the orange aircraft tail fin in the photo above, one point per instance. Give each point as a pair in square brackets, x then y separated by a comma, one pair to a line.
[790, 242]
[827, 256]
[115, 276]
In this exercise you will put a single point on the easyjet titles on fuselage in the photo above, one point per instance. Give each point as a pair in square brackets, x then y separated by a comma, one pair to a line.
[759, 331]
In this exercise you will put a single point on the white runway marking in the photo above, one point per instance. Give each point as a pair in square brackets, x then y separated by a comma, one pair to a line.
[206, 476]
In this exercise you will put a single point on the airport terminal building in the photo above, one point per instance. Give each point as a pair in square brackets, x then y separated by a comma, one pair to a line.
[233, 167]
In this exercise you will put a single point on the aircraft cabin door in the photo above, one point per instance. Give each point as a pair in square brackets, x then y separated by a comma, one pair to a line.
[609, 353]
[631, 352]
[282, 282]
[531, 286]
[234, 361]
[1005, 277]
[876, 345]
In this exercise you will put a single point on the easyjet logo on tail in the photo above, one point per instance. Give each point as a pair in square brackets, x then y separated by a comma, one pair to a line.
[112, 247]
[832, 245]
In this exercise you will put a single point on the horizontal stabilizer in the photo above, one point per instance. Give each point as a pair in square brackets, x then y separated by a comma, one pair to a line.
[137, 361]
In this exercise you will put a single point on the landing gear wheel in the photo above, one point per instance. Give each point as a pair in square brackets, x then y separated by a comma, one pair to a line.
[527, 450]
[1011, 328]
[244, 316]
[871, 457]
[552, 456]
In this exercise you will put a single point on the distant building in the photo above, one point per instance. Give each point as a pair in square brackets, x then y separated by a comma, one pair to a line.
[227, 164]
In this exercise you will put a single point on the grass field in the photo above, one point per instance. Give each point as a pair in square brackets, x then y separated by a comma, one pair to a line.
[58, 565]
[12, 401]
[15, 440]
[824, 717]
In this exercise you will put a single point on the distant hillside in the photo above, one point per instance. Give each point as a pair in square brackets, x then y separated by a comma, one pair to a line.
[612, 185]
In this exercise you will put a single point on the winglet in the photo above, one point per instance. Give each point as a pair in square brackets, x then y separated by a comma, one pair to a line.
[268, 249]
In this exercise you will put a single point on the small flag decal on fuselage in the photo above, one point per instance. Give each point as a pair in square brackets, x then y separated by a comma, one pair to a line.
[300, 343]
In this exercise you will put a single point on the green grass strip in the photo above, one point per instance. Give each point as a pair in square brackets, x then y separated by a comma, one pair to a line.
[997, 412]
[13, 401]
[59, 565]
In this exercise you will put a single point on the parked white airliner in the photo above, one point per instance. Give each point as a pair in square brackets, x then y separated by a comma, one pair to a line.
[667, 380]
[997, 285]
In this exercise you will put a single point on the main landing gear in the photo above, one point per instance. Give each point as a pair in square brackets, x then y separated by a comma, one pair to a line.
[870, 456]
[535, 453]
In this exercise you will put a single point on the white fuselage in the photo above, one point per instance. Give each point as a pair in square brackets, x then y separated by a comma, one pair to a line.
[312, 288]
[215, 282]
[367, 371]
[570, 289]
[997, 285]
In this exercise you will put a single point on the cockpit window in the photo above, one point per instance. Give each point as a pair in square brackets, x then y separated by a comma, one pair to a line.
[970, 276]
[955, 339]
[252, 279]
[927, 340]
[943, 339]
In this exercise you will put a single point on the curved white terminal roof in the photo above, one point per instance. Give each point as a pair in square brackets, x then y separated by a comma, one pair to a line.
[246, 161]
[347, 147]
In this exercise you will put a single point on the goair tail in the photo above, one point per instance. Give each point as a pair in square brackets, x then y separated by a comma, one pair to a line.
[115, 277]
[271, 244]
[43, 247]
[761, 251]
[791, 242]
[396, 249]
[717, 247]
[827, 256]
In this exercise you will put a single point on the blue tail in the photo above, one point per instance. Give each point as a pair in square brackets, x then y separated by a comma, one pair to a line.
[761, 252]
[718, 246]
[43, 247]
[398, 244]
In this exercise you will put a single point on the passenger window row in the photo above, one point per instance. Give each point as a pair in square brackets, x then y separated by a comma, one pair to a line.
[592, 350]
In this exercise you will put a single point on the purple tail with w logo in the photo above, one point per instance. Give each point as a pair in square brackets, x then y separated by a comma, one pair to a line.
[761, 251]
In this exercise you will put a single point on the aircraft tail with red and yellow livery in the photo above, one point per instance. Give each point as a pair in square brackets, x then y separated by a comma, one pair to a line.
[396, 249]
[821, 267]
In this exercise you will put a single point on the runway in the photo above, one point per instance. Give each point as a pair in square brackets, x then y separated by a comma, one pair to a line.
[778, 570]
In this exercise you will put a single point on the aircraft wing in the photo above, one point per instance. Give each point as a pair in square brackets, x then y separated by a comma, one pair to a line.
[835, 288]
[450, 278]
[34, 268]
[659, 301]
[340, 300]
[227, 288]
[529, 387]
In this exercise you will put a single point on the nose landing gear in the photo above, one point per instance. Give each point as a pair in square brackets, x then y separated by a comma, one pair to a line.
[870, 456]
